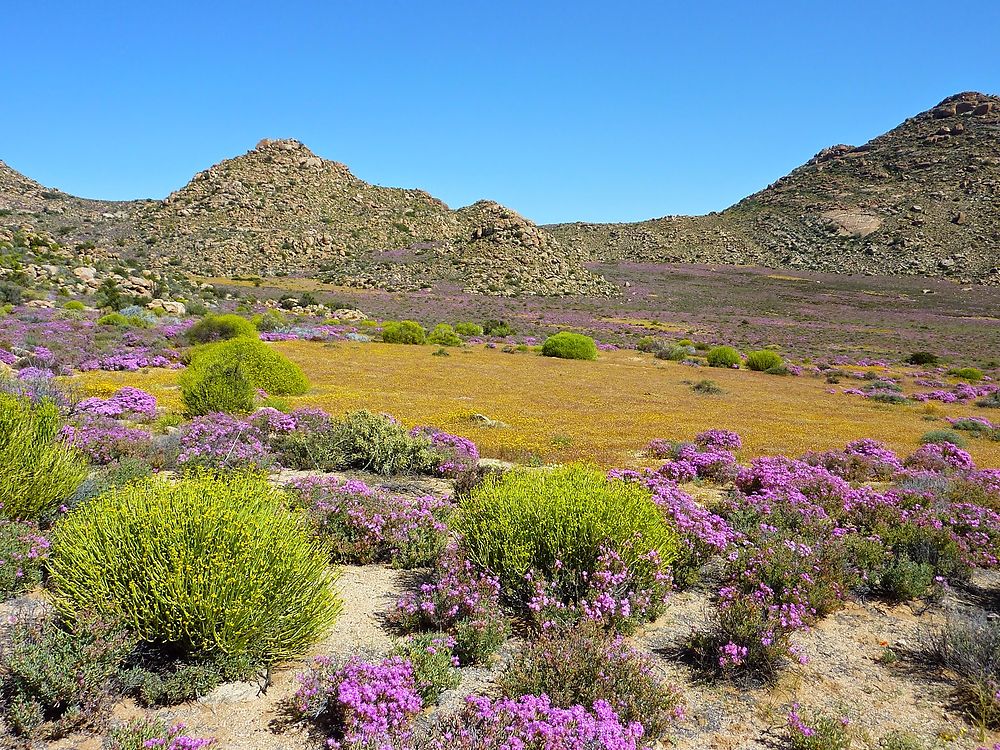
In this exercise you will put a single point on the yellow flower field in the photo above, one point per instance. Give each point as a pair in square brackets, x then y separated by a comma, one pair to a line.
[604, 411]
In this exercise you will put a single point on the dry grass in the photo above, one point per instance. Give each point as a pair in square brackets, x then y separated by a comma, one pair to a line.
[603, 411]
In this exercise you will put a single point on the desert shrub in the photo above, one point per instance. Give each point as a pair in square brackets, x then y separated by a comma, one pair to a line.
[468, 329]
[887, 397]
[816, 731]
[206, 564]
[581, 665]
[37, 472]
[903, 579]
[572, 531]
[763, 360]
[707, 388]
[57, 677]
[444, 335]
[115, 319]
[566, 345]
[216, 388]
[969, 374]
[430, 655]
[269, 320]
[674, 353]
[896, 740]
[648, 344]
[498, 328]
[991, 401]
[142, 734]
[156, 677]
[922, 358]
[213, 328]
[23, 550]
[723, 356]
[943, 436]
[10, 293]
[75, 305]
[138, 316]
[403, 332]
[266, 369]
[970, 649]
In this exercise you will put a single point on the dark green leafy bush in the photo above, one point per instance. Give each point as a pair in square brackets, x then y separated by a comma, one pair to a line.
[566, 345]
[763, 360]
[37, 472]
[208, 565]
[723, 356]
[404, 332]
[923, 358]
[213, 328]
[498, 328]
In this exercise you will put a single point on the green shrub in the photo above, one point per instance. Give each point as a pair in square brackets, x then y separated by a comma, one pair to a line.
[431, 657]
[817, 731]
[944, 436]
[922, 358]
[581, 665]
[159, 681]
[218, 387]
[264, 367]
[554, 524]
[270, 320]
[723, 356]
[404, 332]
[566, 345]
[378, 443]
[444, 335]
[970, 648]
[763, 360]
[58, 677]
[75, 304]
[498, 328]
[468, 329]
[707, 388]
[22, 554]
[114, 319]
[213, 328]
[37, 472]
[968, 374]
[205, 564]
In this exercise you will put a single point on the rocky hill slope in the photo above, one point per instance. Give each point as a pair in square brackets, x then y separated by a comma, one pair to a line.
[280, 209]
[923, 198]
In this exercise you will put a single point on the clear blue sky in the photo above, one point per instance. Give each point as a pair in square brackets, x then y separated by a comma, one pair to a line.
[563, 111]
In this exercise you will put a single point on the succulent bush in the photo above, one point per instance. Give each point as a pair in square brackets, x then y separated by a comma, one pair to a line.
[468, 329]
[570, 543]
[403, 332]
[37, 472]
[216, 388]
[114, 319]
[206, 564]
[763, 360]
[723, 356]
[968, 374]
[444, 335]
[566, 345]
[212, 328]
[265, 369]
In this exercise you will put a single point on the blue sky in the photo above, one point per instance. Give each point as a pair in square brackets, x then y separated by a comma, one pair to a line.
[563, 111]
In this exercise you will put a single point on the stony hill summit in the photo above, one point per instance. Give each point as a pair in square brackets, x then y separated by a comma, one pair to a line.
[923, 199]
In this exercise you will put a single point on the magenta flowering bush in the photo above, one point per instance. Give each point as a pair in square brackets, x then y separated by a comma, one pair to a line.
[532, 722]
[222, 441]
[365, 525]
[725, 439]
[359, 704]
[127, 402]
[939, 457]
[23, 551]
[458, 455]
[458, 599]
[816, 732]
[103, 439]
[706, 458]
[154, 734]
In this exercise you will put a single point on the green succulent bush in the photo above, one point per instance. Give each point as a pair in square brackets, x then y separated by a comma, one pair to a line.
[75, 304]
[37, 472]
[204, 564]
[263, 367]
[723, 356]
[218, 387]
[444, 335]
[555, 524]
[214, 328]
[115, 320]
[763, 360]
[968, 374]
[566, 345]
[403, 332]
[468, 329]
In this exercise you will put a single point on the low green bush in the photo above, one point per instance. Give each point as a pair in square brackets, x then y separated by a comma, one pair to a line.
[556, 524]
[922, 358]
[115, 320]
[763, 360]
[205, 564]
[218, 387]
[403, 332]
[431, 656]
[265, 368]
[498, 328]
[968, 374]
[270, 320]
[214, 328]
[75, 304]
[37, 472]
[723, 356]
[944, 436]
[444, 335]
[707, 388]
[566, 345]
[468, 329]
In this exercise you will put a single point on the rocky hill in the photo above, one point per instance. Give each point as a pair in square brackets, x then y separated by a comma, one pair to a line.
[280, 209]
[923, 199]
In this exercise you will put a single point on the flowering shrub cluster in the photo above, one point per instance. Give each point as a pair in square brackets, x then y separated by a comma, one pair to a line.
[127, 402]
[154, 734]
[365, 525]
[458, 455]
[103, 439]
[23, 551]
[223, 441]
